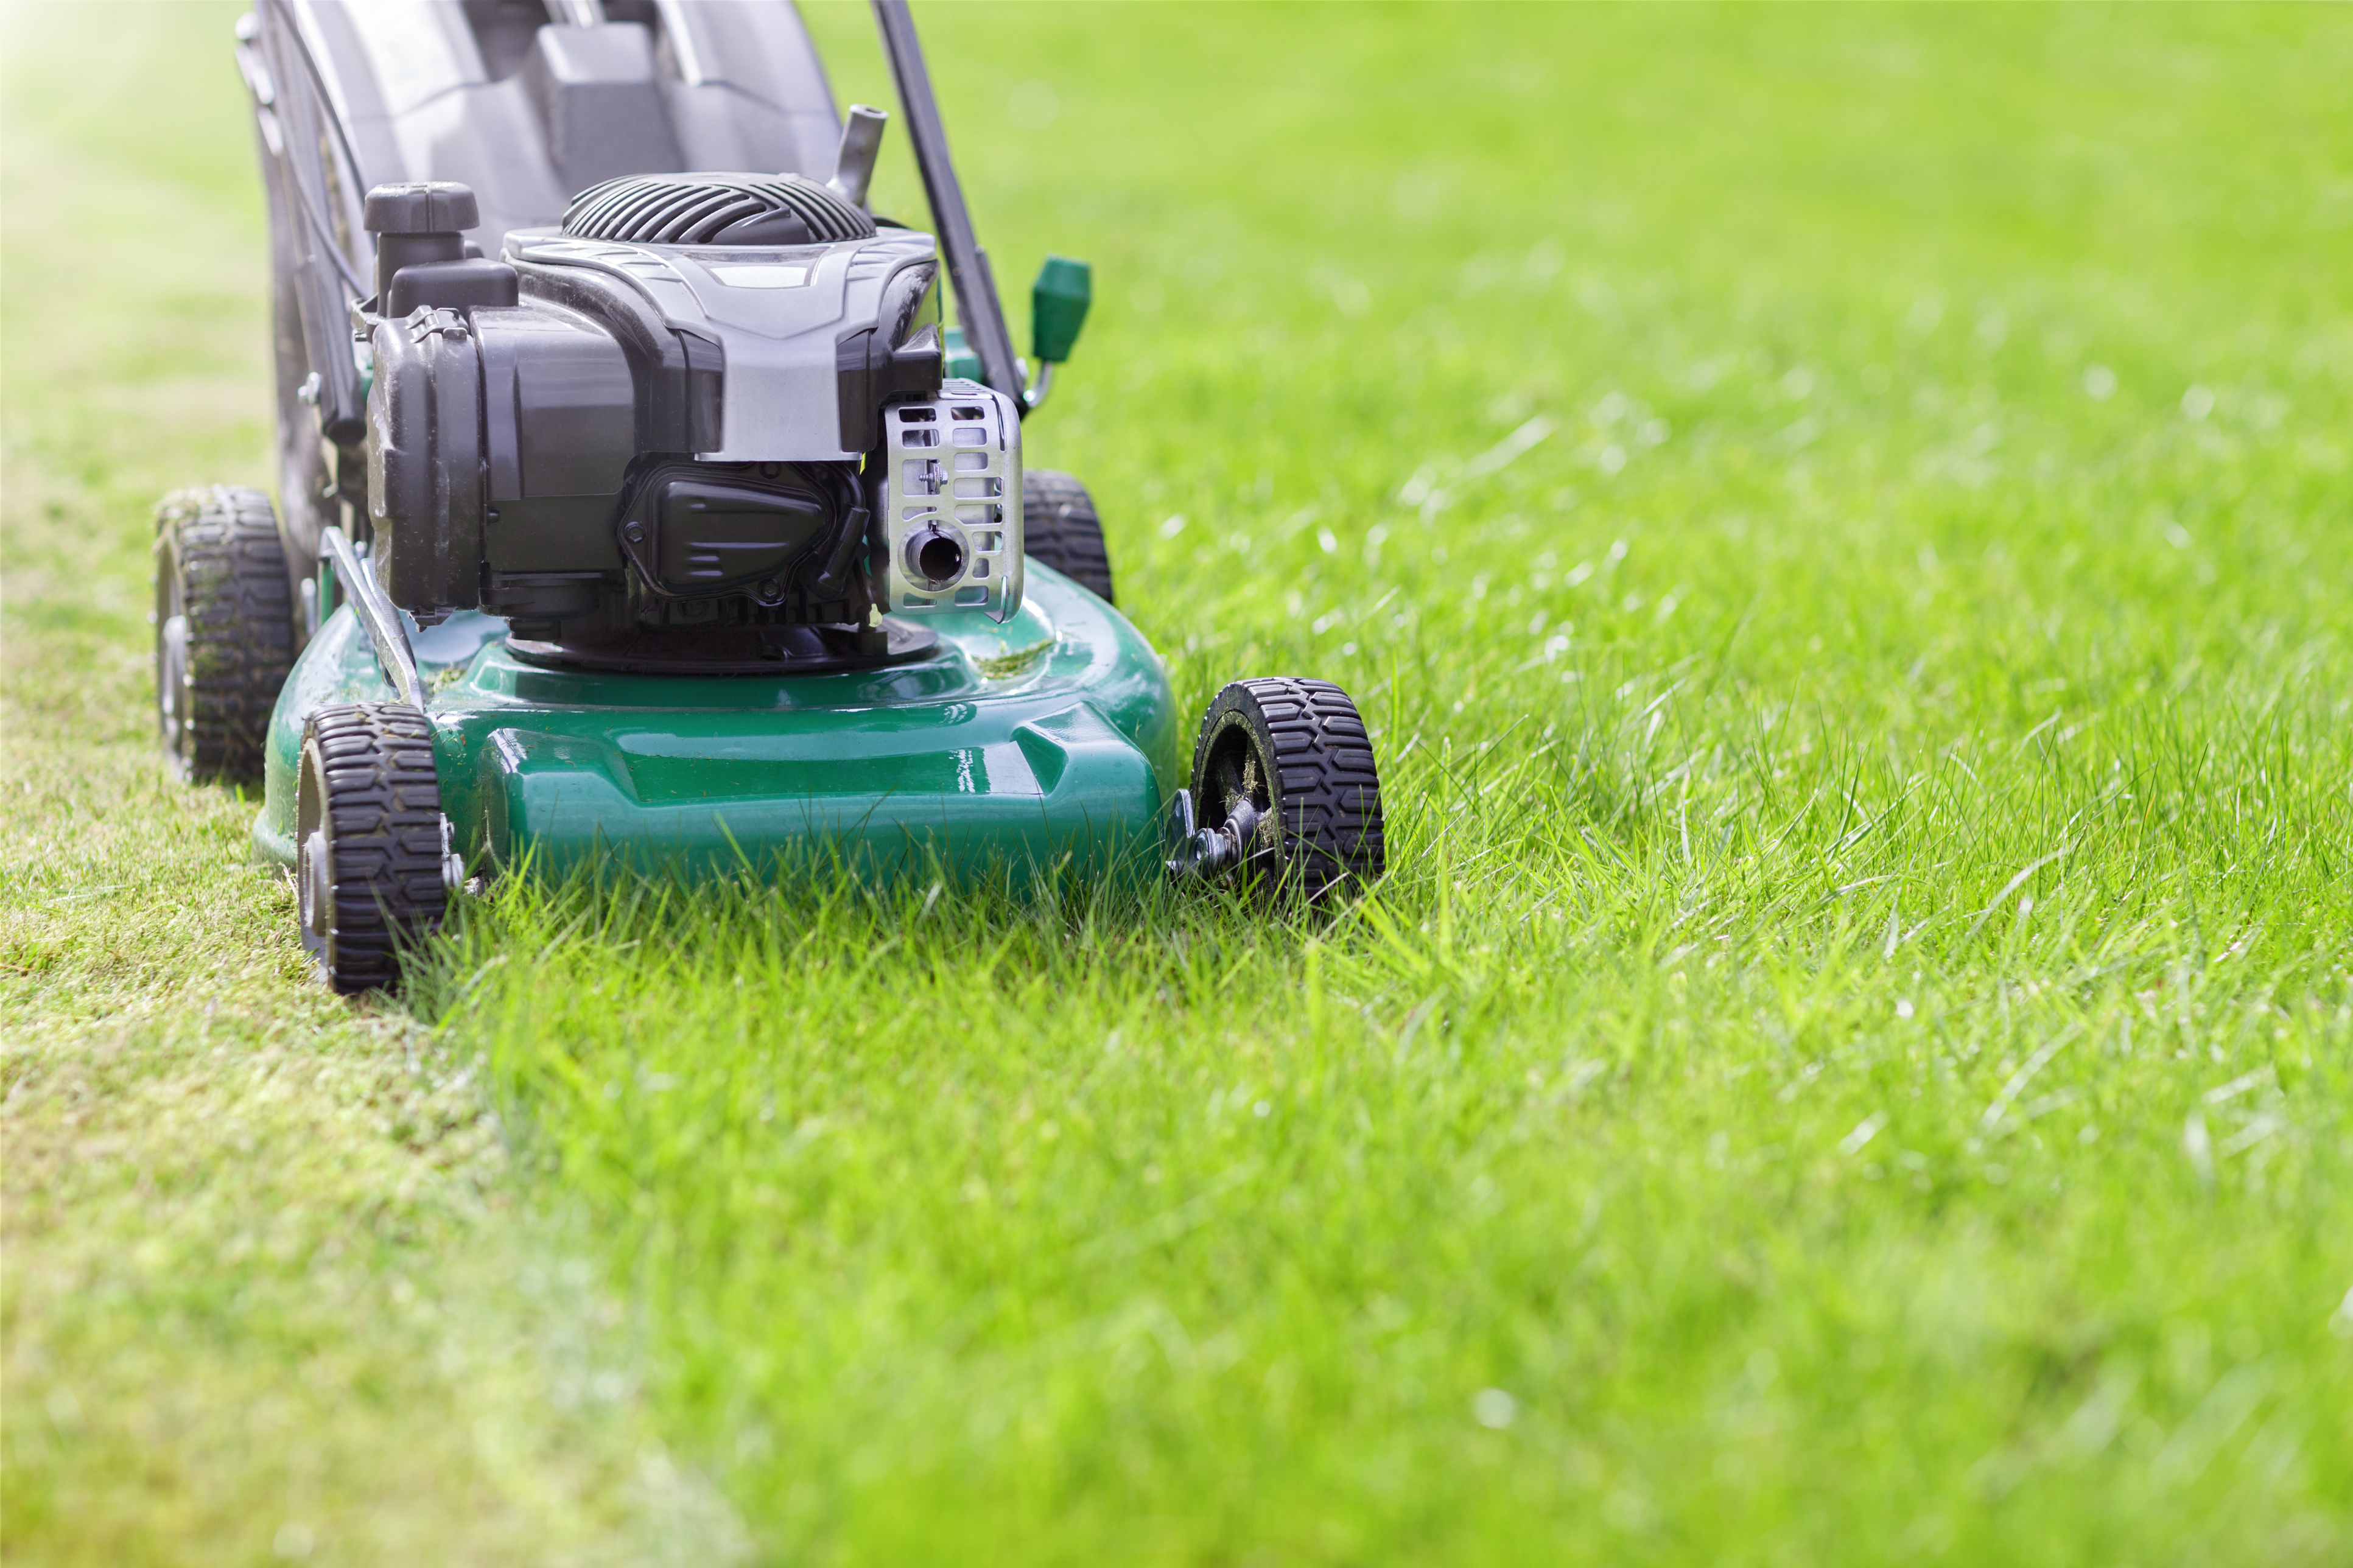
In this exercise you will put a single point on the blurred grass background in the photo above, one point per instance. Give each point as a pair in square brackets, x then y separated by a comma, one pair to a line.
[1837, 518]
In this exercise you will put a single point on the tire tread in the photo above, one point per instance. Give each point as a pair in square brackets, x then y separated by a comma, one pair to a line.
[1330, 808]
[223, 541]
[1060, 527]
[383, 809]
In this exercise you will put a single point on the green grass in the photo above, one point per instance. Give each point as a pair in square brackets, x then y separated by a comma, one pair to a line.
[259, 1286]
[1836, 518]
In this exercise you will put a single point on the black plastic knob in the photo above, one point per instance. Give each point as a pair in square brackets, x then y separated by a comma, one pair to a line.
[418, 222]
[422, 206]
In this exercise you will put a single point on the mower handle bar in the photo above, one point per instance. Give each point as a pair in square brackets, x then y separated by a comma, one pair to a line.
[377, 613]
[978, 310]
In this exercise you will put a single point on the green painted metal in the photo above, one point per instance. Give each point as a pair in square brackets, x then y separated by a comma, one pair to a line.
[1049, 739]
[962, 359]
[1057, 307]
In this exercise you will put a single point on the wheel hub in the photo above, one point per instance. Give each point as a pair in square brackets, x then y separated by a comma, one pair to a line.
[1206, 853]
[171, 683]
[313, 886]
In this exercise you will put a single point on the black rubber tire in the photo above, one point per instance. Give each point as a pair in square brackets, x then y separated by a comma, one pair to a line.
[1060, 526]
[371, 844]
[1297, 749]
[224, 630]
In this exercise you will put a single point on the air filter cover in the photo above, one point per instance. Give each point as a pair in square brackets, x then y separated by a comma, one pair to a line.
[715, 209]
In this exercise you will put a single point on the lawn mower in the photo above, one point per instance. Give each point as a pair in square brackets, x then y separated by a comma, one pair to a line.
[629, 511]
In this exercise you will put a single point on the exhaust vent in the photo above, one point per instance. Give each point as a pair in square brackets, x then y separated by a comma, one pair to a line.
[715, 209]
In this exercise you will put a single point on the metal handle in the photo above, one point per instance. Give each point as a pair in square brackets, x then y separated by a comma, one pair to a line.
[378, 614]
[978, 310]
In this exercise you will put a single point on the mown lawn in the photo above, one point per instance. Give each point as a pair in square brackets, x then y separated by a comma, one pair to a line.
[1838, 521]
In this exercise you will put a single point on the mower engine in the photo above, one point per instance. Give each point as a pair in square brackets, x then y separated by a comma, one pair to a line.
[703, 425]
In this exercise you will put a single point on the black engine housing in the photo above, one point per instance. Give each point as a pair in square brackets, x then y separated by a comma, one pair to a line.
[539, 459]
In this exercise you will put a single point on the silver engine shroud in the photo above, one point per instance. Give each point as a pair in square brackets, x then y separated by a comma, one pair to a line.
[953, 476]
[776, 313]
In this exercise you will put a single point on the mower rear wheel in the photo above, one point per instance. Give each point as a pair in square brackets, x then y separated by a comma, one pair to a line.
[224, 630]
[1060, 526]
[374, 867]
[1290, 759]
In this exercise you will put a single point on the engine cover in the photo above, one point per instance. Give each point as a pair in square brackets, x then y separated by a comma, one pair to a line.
[642, 435]
[692, 530]
[789, 325]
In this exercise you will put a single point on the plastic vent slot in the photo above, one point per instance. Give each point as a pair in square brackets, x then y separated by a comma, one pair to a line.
[715, 209]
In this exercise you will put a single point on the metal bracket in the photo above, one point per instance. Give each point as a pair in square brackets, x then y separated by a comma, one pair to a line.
[1204, 853]
[1033, 397]
[377, 613]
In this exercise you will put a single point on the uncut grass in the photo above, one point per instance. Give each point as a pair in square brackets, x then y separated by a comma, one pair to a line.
[1116, 1227]
[1832, 522]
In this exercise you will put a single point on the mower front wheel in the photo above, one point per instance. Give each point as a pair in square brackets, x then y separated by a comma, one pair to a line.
[373, 867]
[1286, 790]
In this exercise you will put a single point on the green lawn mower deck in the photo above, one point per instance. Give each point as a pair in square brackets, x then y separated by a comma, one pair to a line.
[672, 526]
[1049, 741]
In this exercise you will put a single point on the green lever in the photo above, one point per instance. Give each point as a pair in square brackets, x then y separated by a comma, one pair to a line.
[1058, 308]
